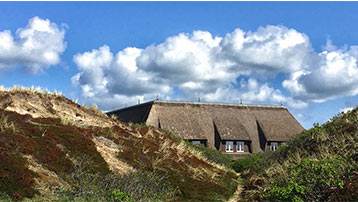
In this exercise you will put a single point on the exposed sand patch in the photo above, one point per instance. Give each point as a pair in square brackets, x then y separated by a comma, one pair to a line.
[109, 152]
[47, 179]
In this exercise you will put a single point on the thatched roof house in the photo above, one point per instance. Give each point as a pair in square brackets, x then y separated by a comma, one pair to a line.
[235, 129]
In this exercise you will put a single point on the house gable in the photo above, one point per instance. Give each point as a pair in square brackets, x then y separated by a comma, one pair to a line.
[256, 125]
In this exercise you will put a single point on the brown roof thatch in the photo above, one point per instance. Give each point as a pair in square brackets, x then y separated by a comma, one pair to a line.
[277, 125]
[197, 120]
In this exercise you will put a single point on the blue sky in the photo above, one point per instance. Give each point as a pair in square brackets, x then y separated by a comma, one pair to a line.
[303, 54]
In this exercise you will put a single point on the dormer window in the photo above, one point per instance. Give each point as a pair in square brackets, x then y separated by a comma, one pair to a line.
[195, 142]
[229, 146]
[198, 142]
[240, 146]
[273, 146]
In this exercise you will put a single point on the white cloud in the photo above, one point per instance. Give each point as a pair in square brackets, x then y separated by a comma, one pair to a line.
[114, 80]
[188, 66]
[253, 92]
[333, 74]
[35, 47]
[270, 49]
[92, 66]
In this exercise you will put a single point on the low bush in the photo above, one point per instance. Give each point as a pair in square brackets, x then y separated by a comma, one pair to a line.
[310, 180]
[254, 161]
[320, 164]
[117, 195]
[5, 198]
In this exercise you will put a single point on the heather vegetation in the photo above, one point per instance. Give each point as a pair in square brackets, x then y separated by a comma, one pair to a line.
[52, 149]
[320, 164]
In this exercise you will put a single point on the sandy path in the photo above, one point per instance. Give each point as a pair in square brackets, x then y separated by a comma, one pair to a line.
[237, 195]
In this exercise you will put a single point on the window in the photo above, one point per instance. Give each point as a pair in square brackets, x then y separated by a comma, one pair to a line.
[195, 142]
[240, 146]
[274, 146]
[229, 146]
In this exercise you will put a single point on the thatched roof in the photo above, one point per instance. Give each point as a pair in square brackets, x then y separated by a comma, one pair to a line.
[198, 120]
[277, 125]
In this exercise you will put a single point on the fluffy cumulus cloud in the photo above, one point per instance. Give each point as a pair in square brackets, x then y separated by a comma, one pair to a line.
[35, 47]
[270, 49]
[251, 91]
[334, 73]
[231, 68]
[109, 80]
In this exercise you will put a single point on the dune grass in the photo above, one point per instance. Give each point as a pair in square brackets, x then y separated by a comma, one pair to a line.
[320, 164]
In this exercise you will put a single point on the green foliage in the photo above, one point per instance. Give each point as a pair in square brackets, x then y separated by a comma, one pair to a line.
[212, 155]
[171, 135]
[138, 124]
[147, 186]
[317, 165]
[5, 198]
[117, 195]
[138, 186]
[255, 161]
[309, 180]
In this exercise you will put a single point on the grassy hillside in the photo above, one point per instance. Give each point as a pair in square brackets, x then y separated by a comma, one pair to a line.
[320, 164]
[54, 149]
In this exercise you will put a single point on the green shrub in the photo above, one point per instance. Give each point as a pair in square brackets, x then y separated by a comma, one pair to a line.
[5, 198]
[255, 161]
[320, 164]
[117, 195]
[309, 180]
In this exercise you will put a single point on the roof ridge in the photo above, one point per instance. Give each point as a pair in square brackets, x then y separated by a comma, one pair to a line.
[218, 104]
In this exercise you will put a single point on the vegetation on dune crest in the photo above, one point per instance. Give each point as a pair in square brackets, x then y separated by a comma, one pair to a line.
[210, 155]
[58, 157]
[320, 164]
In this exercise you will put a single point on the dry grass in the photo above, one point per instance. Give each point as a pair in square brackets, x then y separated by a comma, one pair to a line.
[65, 120]
[114, 117]
[47, 180]
[95, 109]
[32, 91]
[6, 125]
